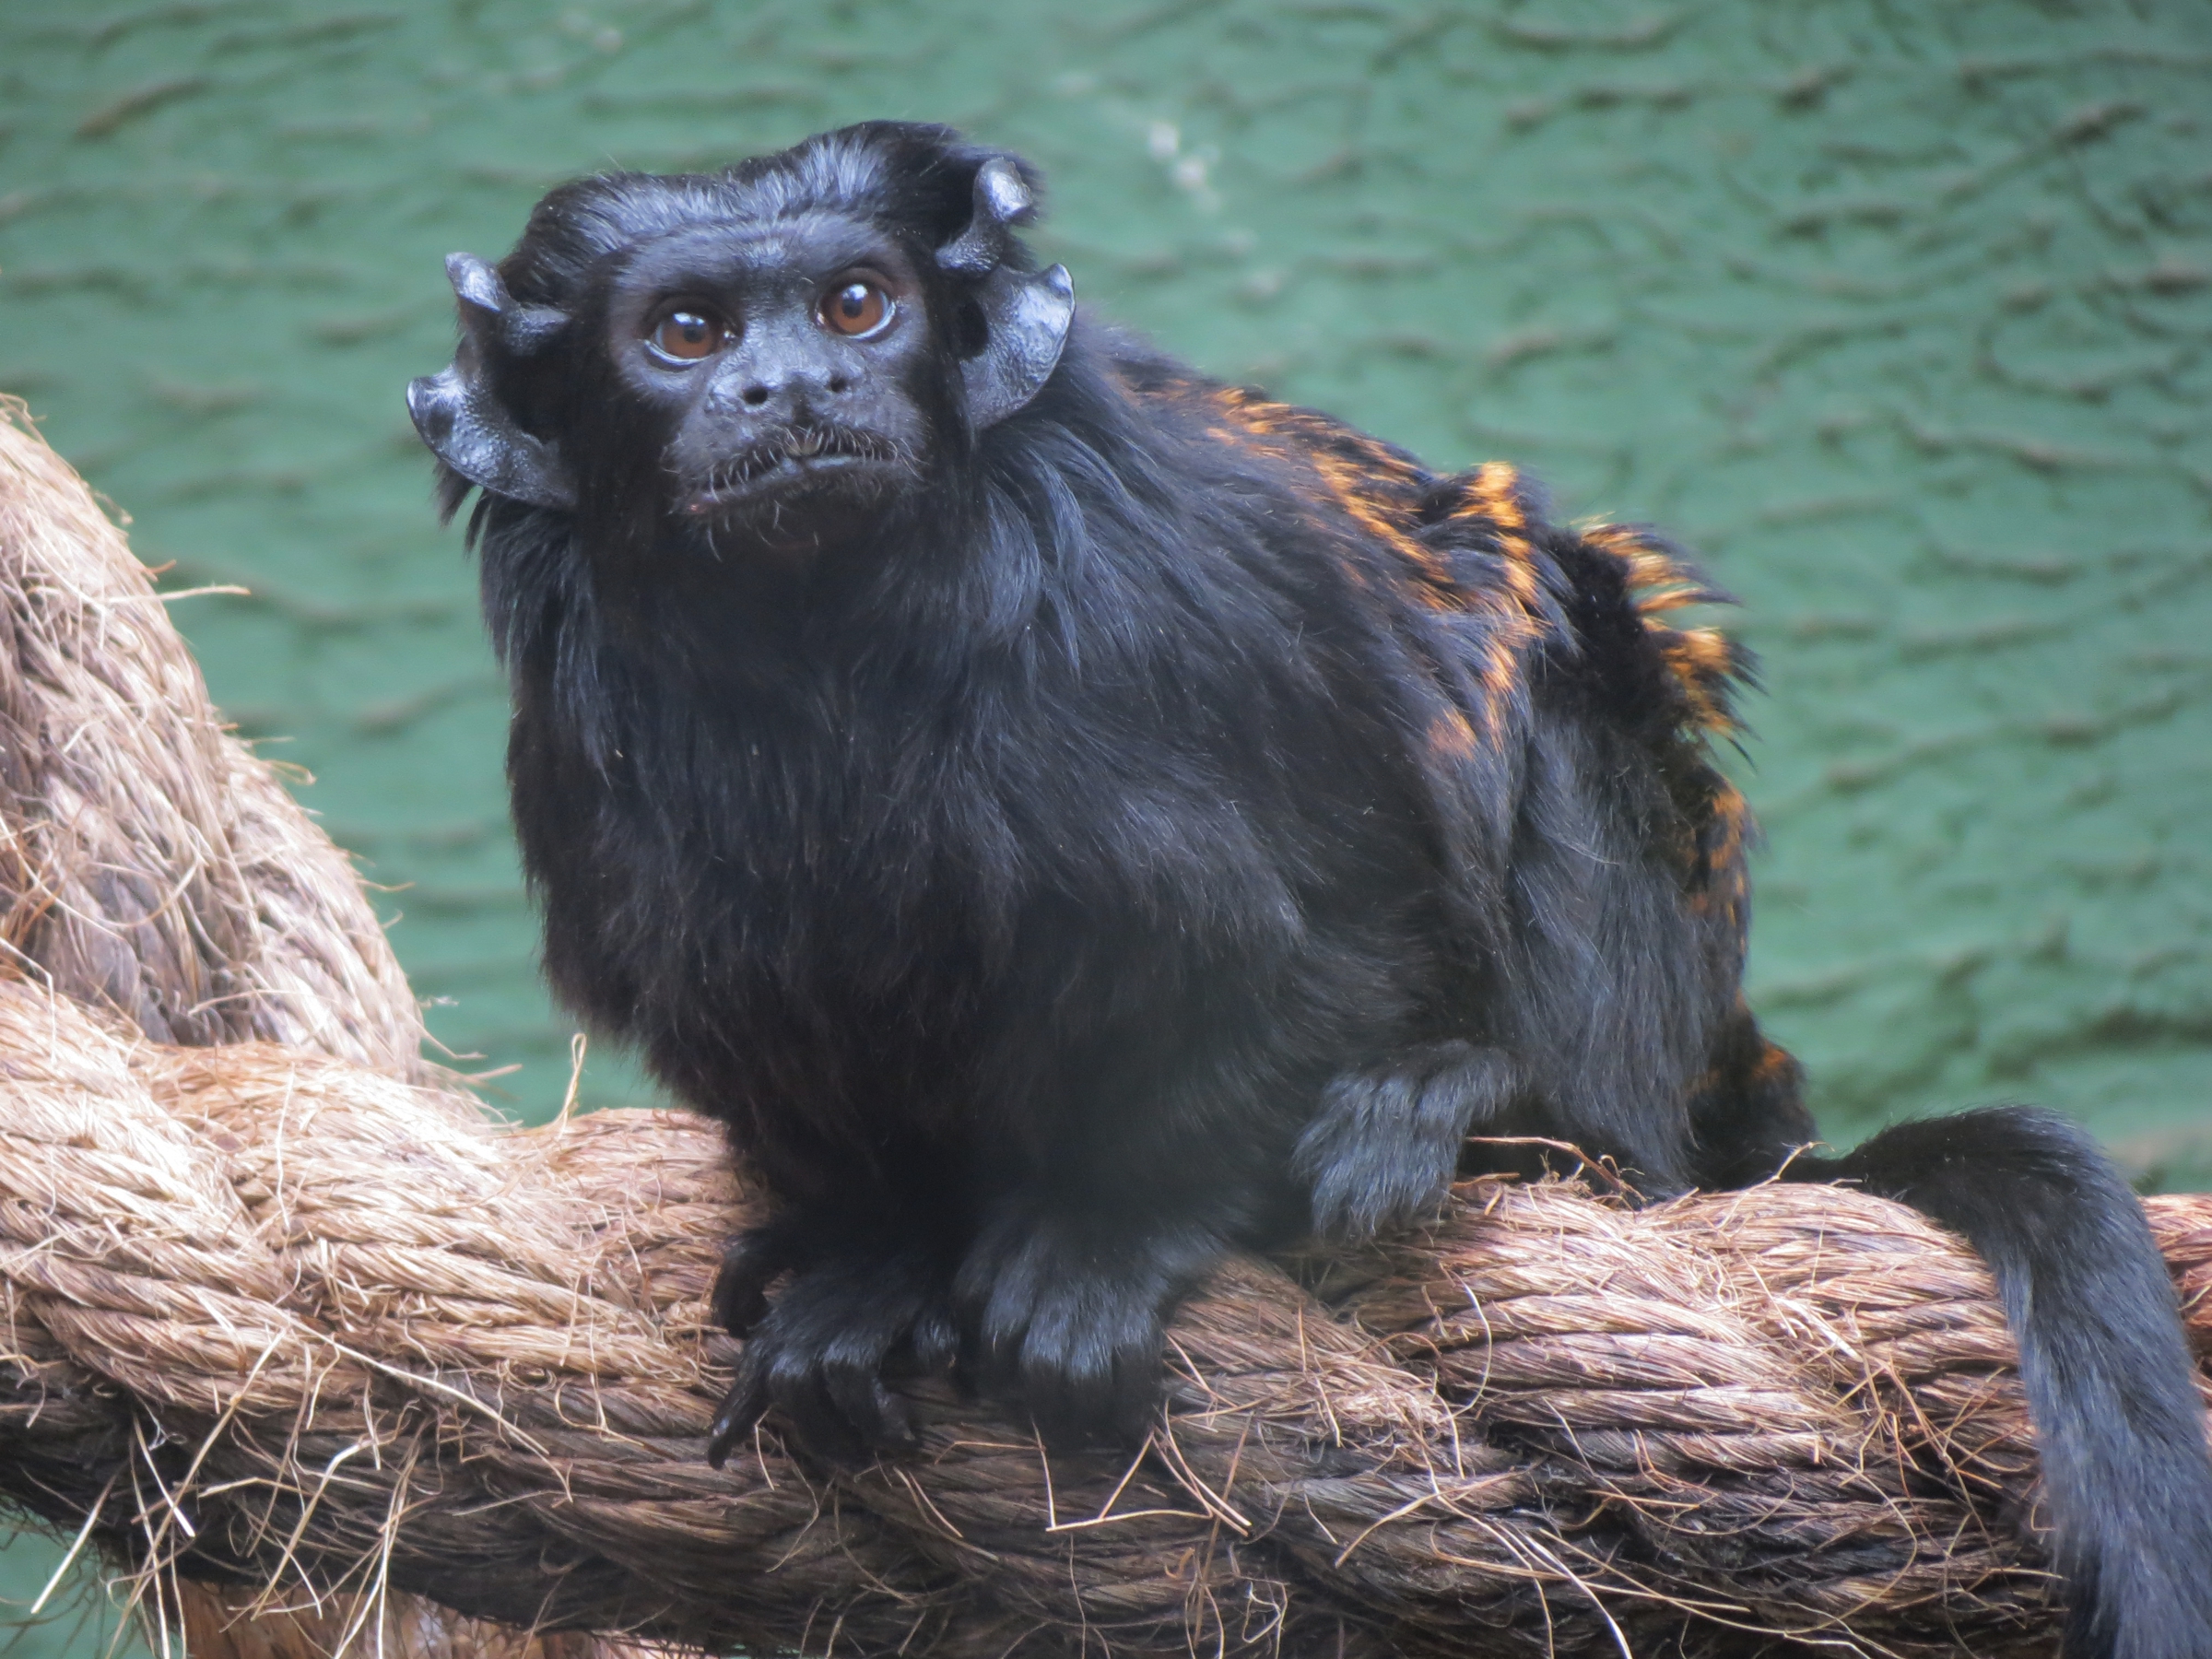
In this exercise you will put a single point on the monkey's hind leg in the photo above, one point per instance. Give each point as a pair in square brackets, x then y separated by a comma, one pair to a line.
[2112, 1386]
[1382, 1149]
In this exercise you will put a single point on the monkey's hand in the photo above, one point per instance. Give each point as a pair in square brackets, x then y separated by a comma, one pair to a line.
[1382, 1151]
[856, 1305]
[1062, 1314]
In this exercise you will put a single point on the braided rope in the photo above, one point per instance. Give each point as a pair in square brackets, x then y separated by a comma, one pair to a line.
[151, 866]
[296, 1321]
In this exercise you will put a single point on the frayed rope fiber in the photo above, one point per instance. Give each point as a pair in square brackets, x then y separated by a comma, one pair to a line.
[283, 1309]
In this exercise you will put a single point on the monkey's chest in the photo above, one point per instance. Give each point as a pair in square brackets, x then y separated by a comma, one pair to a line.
[891, 950]
[786, 946]
[859, 958]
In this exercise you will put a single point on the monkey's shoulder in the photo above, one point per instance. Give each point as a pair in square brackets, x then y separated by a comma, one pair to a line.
[1587, 619]
[1592, 609]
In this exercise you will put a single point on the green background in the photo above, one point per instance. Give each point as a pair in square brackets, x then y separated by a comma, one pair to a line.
[1898, 312]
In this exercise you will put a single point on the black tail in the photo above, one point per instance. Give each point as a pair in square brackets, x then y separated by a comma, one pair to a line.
[2111, 1382]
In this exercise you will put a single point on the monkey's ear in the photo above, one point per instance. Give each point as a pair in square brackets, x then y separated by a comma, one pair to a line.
[1027, 314]
[1002, 200]
[456, 411]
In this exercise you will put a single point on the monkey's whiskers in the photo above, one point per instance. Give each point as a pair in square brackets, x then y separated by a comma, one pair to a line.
[795, 455]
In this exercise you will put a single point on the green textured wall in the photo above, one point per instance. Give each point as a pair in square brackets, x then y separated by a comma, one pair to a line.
[1900, 312]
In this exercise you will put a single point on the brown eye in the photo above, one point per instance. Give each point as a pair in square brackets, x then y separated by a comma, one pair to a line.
[856, 307]
[688, 335]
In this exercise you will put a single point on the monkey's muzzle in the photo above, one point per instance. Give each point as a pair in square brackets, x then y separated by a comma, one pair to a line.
[795, 461]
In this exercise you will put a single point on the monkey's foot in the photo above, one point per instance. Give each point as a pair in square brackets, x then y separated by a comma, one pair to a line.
[1064, 1316]
[818, 1353]
[1382, 1149]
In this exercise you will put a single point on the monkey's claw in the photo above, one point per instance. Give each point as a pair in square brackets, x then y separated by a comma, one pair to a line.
[739, 1411]
[844, 1424]
[754, 1260]
[836, 1400]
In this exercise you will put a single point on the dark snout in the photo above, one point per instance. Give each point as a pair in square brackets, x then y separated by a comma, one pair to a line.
[788, 462]
[791, 377]
[788, 417]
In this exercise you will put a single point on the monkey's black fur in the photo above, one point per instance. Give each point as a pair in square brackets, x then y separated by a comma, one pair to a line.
[1103, 820]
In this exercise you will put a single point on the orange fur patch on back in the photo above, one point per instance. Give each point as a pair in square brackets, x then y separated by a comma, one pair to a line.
[1491, 495]
[1719, 879]
[1704, 661]
[1394, 500]
[1367, 481]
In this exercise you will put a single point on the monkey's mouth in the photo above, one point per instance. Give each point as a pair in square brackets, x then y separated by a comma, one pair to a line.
[795, 459]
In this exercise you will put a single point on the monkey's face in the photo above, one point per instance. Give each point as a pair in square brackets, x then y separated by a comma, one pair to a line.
[789, 368]
[772, 359]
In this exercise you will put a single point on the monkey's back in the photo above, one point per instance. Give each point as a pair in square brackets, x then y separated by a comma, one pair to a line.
[1583, 709]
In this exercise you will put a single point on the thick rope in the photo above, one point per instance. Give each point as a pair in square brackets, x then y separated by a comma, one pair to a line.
[294, 1321]
[151, 866]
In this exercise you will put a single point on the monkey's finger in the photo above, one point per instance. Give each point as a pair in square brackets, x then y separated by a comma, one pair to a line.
[882, 1418]
[741, 1408]
[993, 1367]
[1074, 1401]
[750, 1264]
[997, 1334]
[935, 1344]
[829, 1431]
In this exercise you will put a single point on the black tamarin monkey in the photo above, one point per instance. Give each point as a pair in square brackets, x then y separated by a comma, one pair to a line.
[1071, 819]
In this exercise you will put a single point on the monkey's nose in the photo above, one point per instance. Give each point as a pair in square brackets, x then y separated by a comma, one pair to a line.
[787, 397]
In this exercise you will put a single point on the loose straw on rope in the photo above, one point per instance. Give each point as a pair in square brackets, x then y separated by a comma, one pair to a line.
[281, 1309]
